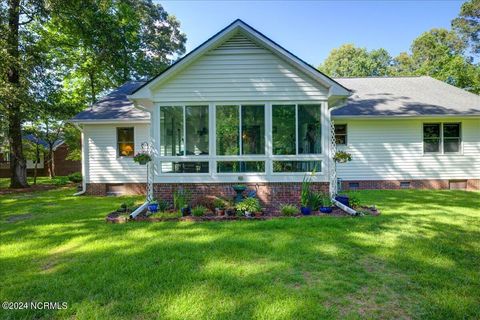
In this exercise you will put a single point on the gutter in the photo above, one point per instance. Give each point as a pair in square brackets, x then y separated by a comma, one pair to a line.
[139, 210]
[84, 182]
[348, 210]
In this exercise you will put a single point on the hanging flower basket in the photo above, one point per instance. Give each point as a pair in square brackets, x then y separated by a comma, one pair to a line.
[342, 157]
[142, 158]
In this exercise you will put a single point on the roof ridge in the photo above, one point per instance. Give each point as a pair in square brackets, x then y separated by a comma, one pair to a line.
[381, 77]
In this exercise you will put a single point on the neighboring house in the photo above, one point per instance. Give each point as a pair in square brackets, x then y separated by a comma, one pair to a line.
[63, 166]
[241, 109]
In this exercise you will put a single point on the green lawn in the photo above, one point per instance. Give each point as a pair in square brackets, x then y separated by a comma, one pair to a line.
[5, 182]
[419, 259]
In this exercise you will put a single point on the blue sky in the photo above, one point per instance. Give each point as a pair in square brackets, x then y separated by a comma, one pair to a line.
[310, 29]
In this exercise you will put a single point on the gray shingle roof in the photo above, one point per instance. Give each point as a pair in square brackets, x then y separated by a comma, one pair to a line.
[406, 96]
[115, 106]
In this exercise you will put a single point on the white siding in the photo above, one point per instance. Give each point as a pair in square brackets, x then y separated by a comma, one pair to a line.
[103, 164]
[393, 149]
[239, 70]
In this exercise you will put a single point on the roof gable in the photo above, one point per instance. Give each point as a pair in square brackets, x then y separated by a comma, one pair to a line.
[231, 31]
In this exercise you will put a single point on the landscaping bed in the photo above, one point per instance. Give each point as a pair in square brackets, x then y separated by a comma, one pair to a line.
[123, 217]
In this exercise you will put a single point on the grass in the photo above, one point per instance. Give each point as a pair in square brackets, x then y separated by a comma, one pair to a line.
[59, 180]
[419, 259]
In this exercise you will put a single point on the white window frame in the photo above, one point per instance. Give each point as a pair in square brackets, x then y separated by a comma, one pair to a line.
[117, 150]
[441, 149]
[268, 157]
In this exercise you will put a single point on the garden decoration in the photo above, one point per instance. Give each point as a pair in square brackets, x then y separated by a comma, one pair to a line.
[239, 189]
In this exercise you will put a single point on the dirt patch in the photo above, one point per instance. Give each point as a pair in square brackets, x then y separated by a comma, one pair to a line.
[19, 217]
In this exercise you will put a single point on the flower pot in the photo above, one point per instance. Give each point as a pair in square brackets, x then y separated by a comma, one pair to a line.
[343, 200]
[326, 209]
[219, 212]
[185, 211]
[248, 214]
[306, 211]
[153, 207]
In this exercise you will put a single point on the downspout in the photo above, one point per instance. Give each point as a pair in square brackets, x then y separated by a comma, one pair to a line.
[84, 182]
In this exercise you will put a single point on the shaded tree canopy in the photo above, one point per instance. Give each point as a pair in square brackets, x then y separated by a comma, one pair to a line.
[467, 24]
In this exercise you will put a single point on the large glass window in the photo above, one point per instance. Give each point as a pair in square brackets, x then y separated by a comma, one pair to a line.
[240, 166]
[451, 137]
[253, 130]
[283, 129]
[309, 129]
[297, 166]
[177, 139]
[228, 122]
[171, 131]
[240, 130]
[125, 142]
[196, 119]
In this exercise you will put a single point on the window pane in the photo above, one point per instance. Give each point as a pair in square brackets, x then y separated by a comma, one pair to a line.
[297, 166]
[309, 129]
[227, 130]
[253, 130]
[451, 130]
[171, 131]
[451, 144]
[240, 166]
[340, 129]
[185, 167]
[431, 137]
[197, 130]
[431, 145]
[125, 142]
[283, 129]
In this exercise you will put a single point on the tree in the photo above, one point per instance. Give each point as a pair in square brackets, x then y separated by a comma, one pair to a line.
[439, 53]
[100, 44]
[467, 24]
[72, 137]
[351, 61]
[16, 60]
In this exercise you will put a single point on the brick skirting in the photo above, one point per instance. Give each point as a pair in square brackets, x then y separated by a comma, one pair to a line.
[271, 195]
[471, 184]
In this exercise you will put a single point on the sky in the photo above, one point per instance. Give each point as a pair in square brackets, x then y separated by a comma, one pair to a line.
[310, 29]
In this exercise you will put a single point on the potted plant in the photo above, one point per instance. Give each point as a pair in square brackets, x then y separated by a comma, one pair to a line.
[153, 206]
[249, 206]
[180, 202]
[305, 196]
[239, 188]
[326, 206]
[342, 157]
[142, 158]
[219, 205]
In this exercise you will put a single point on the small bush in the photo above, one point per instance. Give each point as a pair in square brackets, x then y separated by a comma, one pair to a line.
[288, 210]
[315, 200]
[354, 200]
[163, 205]
[75, 177]
[250, 204]
[220, 203]
[199, 211]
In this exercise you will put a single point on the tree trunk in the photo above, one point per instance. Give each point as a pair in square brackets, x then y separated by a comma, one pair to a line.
[51, 168]
[18, 166]
[37, 157]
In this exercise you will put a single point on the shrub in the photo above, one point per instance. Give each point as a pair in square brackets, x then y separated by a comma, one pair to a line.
[163, 205]
[250, 205]
[220, 203]
[180, 198]
[288, 210]
[199, 211]
[75, 177]
[326, 201]
[60, 181]
[354, 200]
[315, 200]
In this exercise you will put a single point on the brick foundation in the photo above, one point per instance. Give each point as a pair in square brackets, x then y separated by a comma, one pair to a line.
[271, 195]
[471, 184]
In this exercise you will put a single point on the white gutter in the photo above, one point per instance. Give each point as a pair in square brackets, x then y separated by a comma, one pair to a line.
[139, 210]
[84, 182]
[344, 207]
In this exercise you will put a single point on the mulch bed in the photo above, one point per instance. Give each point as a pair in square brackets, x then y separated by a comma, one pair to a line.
[122, 217]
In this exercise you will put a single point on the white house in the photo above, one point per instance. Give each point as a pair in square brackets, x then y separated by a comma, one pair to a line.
[242, 109]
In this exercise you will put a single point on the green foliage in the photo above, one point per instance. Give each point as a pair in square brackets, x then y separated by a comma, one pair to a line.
[142, 157]
[315, 200]
[354, 200]
[326, 200]
[72, 137]
[199, 211]
[289, 210]
[220, 203]
[163, 205]
[75, 177]
[342, 157]
[351, 61]
[181, 198]
[467, 24]
[60, 180]
[249, 205]
[305, 192]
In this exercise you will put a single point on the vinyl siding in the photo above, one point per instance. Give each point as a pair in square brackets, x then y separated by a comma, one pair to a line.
[239, 70]
[393, 150]
[103, 164]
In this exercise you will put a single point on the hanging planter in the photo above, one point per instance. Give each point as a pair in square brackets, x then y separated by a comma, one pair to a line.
[142, 158]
